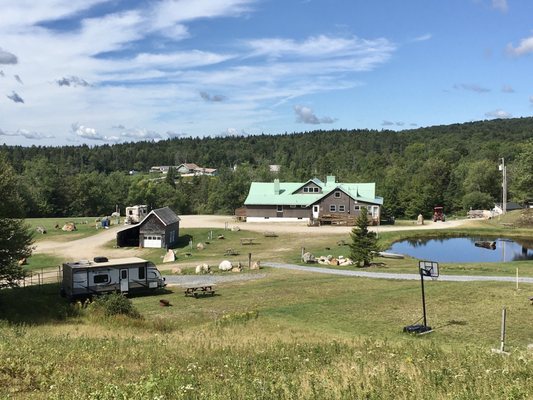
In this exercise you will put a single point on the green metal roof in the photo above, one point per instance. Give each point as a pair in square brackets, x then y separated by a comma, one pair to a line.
[263, 193]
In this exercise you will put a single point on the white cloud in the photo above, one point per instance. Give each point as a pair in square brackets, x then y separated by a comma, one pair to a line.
[140, 134]
[500, 5]
[33, 135]
[507, 89]
[423, 38]
[471, 87]
[498, 114]
[525, 47]
[307, 116]
[86, 132]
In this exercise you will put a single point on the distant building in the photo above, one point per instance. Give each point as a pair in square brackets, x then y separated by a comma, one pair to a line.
[187, 169]
[159, 229]
[511, 206]
[311, 201]
[274, 168]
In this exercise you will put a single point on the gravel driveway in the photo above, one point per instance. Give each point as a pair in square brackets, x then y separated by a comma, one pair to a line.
[204, 280]
[388, 275]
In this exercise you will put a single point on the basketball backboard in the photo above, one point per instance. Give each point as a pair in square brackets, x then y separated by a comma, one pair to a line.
[429, 268]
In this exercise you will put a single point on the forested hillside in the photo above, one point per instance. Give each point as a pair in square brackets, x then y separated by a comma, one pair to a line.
[454, 165]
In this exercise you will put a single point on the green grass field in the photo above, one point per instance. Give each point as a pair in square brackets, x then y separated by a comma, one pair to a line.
[85, 226]
[289, 335]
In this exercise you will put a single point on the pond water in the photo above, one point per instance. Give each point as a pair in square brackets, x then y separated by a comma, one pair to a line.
[463, 249]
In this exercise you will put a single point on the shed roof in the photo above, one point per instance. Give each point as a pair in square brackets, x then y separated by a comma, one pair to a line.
[165, 215]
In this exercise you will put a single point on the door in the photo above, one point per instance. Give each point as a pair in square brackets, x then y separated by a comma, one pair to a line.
[316, 211]
[124, 280]
[152, 241]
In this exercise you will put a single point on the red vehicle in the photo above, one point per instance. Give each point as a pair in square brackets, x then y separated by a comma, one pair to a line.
[438, 214]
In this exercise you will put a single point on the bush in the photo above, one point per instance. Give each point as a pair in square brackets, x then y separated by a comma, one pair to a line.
[114, 304]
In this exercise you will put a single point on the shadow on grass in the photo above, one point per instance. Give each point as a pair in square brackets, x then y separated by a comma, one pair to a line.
[37, 305]
[34, 305]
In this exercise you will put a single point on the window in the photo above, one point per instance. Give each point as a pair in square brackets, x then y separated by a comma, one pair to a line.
[316, 190]
[356, 208]
[292, 206]
[332, 208]
[124, 274]
[280, 209]
[337, 195]
[342, 209]
[306, 190]
[102, 278]
[142, 274]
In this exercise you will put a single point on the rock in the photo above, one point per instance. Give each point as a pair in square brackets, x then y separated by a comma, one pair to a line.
[203, 269]
[333, 261]
[22, 261]
[164, 303]
[200, 246]
[238, 268]
[420, 220]
[235, 229]
[176, 271]
[308, 258]
[530, 347]
[329, 257]
[221, 237]
[225, 266]
[256, 265]
[170, 256]
[69, 227]
[341, 243]
[345, 262]
[41, 230]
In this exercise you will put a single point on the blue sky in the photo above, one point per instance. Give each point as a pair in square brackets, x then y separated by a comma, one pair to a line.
[109, 71]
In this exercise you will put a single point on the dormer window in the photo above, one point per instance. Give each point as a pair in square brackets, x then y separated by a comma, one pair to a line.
[306, 190]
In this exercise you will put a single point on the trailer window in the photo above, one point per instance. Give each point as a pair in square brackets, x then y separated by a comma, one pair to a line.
[103, 278]
[142, 275]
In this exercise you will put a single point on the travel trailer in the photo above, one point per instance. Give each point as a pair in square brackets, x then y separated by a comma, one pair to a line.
[86, 278]
[135, 214]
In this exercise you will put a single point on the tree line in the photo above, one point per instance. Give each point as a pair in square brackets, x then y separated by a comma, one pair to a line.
[455, 166]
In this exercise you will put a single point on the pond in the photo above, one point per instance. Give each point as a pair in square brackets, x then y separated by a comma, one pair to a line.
[464, 249]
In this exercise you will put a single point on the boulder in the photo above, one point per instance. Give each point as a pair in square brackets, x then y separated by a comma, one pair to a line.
[203, 269]
[235, 228]
[176, 271]
[69, 227]
[200, 246]
[221, 237]
[237, 268]
[170, 256]
[345, 262]
[41, 230]
[225, 266]
[333, 261]
[308, 258]
[256, 265]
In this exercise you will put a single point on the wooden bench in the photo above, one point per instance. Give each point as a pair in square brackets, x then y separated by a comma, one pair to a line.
[231, 252]
[197, 291]
[270, 234]
[245, 241]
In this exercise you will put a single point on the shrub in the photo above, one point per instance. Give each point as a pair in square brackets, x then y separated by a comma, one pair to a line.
[114, 304]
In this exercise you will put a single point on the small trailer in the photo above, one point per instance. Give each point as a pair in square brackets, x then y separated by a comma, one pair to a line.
[135, 214]
[82, 279]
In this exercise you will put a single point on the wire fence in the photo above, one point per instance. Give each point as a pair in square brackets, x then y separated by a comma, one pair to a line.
[41, 277]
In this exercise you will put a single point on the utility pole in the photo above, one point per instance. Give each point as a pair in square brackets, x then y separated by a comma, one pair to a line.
[503, 168]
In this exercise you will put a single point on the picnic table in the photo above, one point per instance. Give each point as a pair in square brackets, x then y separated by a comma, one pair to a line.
[245, 241]
[196, 291]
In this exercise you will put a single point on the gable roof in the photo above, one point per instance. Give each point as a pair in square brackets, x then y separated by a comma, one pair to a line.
[263, 193]
[165, 215]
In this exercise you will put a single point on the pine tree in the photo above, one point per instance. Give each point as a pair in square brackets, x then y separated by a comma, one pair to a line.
[364, 242]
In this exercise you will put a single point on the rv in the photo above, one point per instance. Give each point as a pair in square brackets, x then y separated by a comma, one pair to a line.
[125, 275]
[135, 214]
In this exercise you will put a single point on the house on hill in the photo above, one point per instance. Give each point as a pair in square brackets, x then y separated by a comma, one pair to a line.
[159, 229]
[313, 201]
[192, 169]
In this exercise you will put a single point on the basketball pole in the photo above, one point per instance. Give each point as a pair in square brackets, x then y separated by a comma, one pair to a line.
[423, 297]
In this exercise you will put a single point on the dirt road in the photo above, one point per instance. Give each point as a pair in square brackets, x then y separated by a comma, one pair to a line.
[98, 244]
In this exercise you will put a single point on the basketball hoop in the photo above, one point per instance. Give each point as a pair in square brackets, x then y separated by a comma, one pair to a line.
[429, 268]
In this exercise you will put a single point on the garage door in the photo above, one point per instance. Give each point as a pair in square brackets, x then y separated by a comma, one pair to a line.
[152, 241]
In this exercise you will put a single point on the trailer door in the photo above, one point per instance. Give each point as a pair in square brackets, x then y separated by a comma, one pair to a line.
[124, 280]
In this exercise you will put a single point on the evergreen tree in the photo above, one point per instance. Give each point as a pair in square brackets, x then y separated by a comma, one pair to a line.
[364, 242]
[15, 237]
